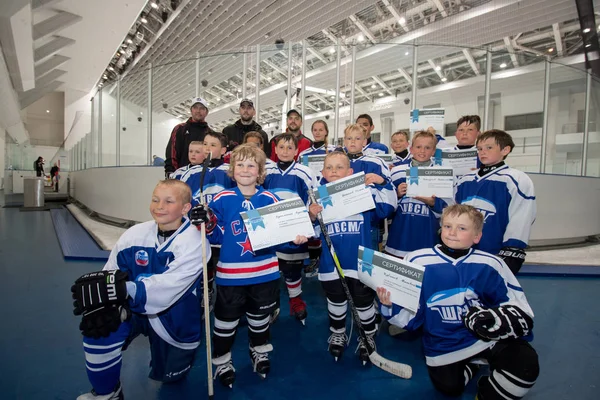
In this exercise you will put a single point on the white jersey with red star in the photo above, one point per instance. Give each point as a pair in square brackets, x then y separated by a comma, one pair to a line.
[238, 264]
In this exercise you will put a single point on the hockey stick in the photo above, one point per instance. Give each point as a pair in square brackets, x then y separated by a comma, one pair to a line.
[211, 391]
[394, 368]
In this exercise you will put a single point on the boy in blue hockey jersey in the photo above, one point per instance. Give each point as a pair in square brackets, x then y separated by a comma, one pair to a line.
[195, 155]
[370, 147]
[288, 179]
[400, 146]
[504, 195]
[247, 280]
[471, 307]
[416, 222]
[148, 286]
[216, 179]
[348, 234]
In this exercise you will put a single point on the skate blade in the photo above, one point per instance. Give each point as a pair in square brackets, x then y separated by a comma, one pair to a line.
[336, 359]
[364, 363]
[303, 322]
[263, 376]
[231, 386]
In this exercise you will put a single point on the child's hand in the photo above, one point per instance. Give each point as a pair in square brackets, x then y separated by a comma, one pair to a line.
[313, 210]
[384, 296]
[430, 201]
[300, 240]
[374, 178]
[402, 189]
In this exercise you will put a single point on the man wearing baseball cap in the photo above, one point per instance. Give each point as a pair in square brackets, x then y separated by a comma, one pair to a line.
[294, 123]
[194, 129]
[235, 133]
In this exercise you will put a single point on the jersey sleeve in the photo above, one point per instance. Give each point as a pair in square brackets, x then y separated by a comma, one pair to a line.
[385, 200]
[158, 292]
[216, 235]
[521, 213]
[398, 175]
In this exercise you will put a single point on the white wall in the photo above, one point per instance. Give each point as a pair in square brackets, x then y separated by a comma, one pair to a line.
[77, 118]
[2, 156]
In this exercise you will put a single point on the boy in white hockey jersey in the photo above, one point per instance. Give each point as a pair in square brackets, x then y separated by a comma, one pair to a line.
[148, 286]
[346, 235]
[416, 222]
[196, 156]
[400, 146]
[288, 179]
[247, 280]
[505, 196]
[471, 307]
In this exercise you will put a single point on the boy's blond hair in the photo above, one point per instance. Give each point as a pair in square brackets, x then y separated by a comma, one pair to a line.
[196, 143]
[249, 152]
[183, 190]
[456, 210]
[337, 154]
[424, 134]
[355, 127]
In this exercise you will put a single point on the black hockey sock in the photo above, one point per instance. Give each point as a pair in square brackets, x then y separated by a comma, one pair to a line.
[337, 315]
[224, 336]
[258, 328]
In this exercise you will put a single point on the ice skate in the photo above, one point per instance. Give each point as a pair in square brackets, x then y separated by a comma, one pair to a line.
[116, 394]
[337, 344]
[298, 309]
[312, 268]
[260, 359]
[225, 370]
[363, 353]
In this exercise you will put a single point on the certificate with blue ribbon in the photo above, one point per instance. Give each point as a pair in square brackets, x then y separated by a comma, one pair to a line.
[345, 197]
[421, 119]
[430, 181]
[401, 278]
[277, 223]
[462, 162]
[315, 163]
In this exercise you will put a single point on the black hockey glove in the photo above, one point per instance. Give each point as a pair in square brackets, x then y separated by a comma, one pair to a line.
[504, 322]
[97, 289]
[201, 214]
[104, 320]
[513, 257]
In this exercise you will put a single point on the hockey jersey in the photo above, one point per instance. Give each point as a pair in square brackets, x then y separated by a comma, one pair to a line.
[215, 181]
[449, 288]
[506, 198]
[239, 265]
[442, 143]
[164, 279]
[373, 148]
[415, 224]
[397, 160]
[315, 151]
[348, 233]
[180, 171]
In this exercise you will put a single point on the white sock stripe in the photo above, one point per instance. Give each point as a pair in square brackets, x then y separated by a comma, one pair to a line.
[337, 317]
[103, 368]
[255, 329]
[336, 309]
[108, 346]
[250, 315]
[226, 325]
[258, 322]
[224, 334]
[505, 387]
[293, 283]
[102, 358]
[519, 381]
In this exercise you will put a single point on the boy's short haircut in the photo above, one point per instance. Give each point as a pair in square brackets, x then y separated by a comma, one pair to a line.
[403, 133]
[218, 135]
[337, 154]
[367, 117]
[287, 137]
[196, 143]
[469, 119]
[501, 138]
[424, 134]
[456, 210]
[253, 134]
[249, 152]
[185, 193]
[355, 127]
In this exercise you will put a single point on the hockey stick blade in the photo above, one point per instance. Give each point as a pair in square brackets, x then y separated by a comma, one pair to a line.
[403, 371]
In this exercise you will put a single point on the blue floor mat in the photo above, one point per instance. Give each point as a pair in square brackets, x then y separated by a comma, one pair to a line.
[75, 242]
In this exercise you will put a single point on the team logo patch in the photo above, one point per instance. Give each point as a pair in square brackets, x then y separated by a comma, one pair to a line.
[141, 258]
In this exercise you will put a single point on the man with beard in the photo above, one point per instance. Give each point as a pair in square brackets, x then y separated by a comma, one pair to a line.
[294, 123]
[194, 129]
[235, 133]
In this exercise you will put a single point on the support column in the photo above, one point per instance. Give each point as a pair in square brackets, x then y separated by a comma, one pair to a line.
[149, 118]
[546, 116]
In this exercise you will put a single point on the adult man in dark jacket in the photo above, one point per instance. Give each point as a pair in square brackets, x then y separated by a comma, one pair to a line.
[235, 132]
[194, 129]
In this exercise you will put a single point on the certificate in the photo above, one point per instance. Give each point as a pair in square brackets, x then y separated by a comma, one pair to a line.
[430, 181]
[462, 162]
[277, 223]
[343, 198]
[401, 278]
[315, 163]
[386, 158]
[420, 120]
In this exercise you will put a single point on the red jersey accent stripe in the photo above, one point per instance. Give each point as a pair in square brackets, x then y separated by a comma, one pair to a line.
[247, 269]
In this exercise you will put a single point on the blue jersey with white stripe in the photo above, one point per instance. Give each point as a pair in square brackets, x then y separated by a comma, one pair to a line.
[373, 148]
[215, 181]
[449, 288]
[506, 198]
[163, 279]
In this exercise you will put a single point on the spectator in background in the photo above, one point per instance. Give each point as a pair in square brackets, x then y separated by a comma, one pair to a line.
[294, 123]
[38, 165]
[194, 129]
[371, 148]
[54, 176]
[235, 133]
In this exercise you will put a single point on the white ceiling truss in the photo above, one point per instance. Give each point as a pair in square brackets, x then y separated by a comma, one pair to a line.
[382, 33]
